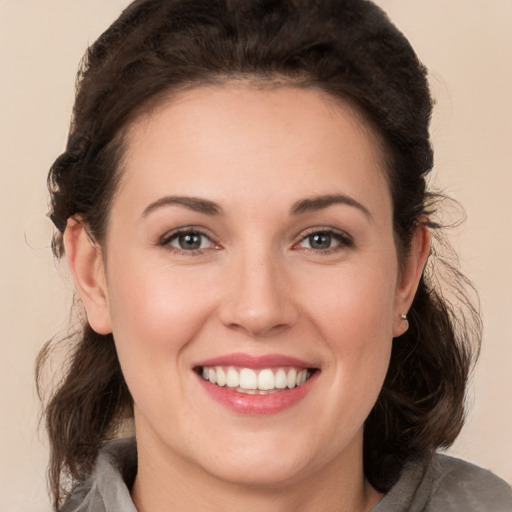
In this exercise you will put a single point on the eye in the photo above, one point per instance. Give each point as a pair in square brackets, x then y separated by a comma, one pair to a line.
[326, 240]
[188, 241]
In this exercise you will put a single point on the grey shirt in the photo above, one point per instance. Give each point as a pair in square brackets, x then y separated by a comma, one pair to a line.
[445, 484]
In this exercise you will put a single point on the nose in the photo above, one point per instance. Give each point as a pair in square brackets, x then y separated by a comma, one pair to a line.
[259, 297]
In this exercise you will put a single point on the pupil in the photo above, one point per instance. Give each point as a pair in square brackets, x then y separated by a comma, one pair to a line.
[190, 241]
[320, 241]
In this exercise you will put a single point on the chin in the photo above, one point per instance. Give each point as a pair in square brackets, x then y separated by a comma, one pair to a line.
[269, 471]
[270, 460]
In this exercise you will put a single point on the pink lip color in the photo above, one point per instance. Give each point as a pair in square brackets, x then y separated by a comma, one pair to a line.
[256, 404]
[255, 362]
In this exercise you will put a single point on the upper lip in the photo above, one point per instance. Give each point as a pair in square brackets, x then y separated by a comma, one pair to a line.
[256, 362]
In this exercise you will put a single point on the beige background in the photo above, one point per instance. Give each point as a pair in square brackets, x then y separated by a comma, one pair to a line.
[467, 44]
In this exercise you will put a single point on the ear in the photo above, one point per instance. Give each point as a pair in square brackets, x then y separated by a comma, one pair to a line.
[85, 260]
[410, 275]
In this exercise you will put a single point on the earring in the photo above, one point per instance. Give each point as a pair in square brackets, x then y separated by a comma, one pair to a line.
[403, 317]
[406, 320]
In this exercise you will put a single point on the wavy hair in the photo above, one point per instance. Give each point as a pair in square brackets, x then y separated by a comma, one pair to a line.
[346, 48]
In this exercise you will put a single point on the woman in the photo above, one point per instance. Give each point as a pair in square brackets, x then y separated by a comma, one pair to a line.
[242, 204]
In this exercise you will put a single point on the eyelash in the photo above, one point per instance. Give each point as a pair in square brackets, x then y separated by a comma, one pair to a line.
[342, 239]
[167, 240]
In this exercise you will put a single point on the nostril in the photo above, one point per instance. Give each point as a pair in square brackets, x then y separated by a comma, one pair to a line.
[258, 322]
[257, 330]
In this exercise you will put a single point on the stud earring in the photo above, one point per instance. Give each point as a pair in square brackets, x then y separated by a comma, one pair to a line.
[403, 317]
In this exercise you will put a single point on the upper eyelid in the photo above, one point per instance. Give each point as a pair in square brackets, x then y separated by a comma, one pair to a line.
[169, 235]
[322, 229]
[344, 242]
[167, 242]
[187, 229]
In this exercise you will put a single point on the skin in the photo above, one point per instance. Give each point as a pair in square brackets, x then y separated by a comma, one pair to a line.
[256, 286]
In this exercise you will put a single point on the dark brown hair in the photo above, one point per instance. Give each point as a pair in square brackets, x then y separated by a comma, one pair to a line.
[346, 48]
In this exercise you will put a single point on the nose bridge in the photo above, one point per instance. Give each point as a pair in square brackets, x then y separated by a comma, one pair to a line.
[258, 300]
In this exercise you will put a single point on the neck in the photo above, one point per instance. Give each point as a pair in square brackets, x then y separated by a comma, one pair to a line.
[167, 483]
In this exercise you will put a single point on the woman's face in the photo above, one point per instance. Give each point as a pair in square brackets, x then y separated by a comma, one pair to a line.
[251, 240]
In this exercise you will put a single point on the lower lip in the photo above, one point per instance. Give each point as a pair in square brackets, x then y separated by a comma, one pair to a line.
[258, 404]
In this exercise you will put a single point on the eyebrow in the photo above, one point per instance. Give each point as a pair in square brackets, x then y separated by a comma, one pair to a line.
[315, 203]
[207, 207]
[192, 203]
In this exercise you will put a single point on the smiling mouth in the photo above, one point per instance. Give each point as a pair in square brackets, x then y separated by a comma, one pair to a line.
[251, 381]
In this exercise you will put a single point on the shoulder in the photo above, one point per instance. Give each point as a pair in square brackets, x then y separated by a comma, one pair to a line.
[459, 485]
[107, 489]
[446, 484]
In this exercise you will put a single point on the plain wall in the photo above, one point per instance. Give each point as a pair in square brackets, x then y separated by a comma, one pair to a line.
[467, 45]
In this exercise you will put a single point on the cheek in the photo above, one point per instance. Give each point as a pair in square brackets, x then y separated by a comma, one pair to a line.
[359, 334]
[154, 310]
[355, 315]
[156, 313]
[354, 304]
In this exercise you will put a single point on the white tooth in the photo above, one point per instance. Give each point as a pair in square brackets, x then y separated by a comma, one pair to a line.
[232, 378]
[301, 377]
[248, 379]
[291, 380]
[221, 376]
[205, 373]
[212, 376]
[280, 379]
[266, 379]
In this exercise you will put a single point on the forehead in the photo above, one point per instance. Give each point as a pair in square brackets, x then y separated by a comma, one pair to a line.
[235, 140]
